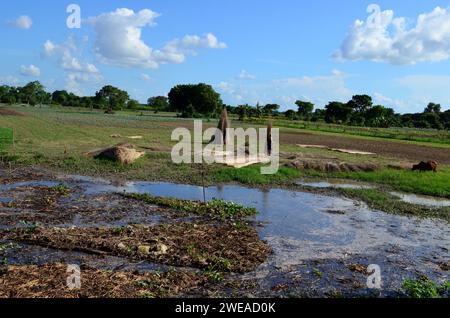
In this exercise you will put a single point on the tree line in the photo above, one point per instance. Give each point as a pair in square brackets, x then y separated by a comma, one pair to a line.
[359, 111]
[201, 100]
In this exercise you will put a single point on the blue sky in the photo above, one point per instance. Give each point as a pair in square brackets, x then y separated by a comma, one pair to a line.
[249, 50]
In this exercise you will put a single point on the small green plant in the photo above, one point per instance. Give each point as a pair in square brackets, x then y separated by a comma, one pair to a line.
[214, 271]
[424, 287]
[7, 246]
[214, 208]
[62, 189]
[213, 275]
[118, 230]
[222, 264]
[317, 272]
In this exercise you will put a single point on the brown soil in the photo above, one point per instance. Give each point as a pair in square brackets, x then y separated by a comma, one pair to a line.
[50, 281]
[222, 247]
[389, 148]
[9, 112]
[41, 199]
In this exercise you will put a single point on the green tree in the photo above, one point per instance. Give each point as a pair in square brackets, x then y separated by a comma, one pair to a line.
[337, 112]
[158, 103]
[379, 116]
[242, 112]
[270, 109]
[32, 93]
[60, 97]
[360, 103]
[112, 98]
[133, 104]
[430, 120]
[195, 100]
[305, 109]
[433, 108]
[290, 114]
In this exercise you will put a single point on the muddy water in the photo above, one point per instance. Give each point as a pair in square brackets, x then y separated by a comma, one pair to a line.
[335, 183]
[312, 234]
[422, 199]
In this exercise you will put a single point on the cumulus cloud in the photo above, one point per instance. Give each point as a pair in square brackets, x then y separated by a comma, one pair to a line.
[119, 40]
[67, 56]
[30, 70]
[23, 22]
[75, 81]
[385, 38]
[244, 75]
[78, 72]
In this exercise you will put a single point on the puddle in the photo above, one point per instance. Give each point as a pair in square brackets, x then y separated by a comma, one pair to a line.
[334, 183]
[422, 199]
[306, 224]
[304, 228]
[6, 200]
[11, 186]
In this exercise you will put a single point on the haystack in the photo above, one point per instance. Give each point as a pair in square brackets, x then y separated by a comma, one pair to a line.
[123, 153]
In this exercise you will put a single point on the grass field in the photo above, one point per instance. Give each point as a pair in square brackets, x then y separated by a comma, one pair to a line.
[420, 136]
[59, 138]
[6, 138]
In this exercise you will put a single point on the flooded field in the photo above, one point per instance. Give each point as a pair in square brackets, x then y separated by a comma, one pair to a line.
[300, 244]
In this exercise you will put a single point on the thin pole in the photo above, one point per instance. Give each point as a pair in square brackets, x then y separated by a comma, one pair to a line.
[203, 182]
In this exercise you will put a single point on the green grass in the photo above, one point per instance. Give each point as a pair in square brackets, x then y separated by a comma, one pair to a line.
[214, 208]
[6, 138]
[383, 201]
[422, 136]
[423, 287]
[428, 183]
[252, 176]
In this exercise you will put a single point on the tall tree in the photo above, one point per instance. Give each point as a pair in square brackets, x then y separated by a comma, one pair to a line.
[192, 99]
[433, 108]
[158, 103]
[336, 112]
[112, 97]
[360, 103]
[305, 109]
[32, 93]
[270, 109]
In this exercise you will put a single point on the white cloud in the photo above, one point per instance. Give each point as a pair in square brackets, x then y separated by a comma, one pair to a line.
[68, 56]
[30, 70]
[119, 40]
[318, 89]
[23, 22]
[79, 74]
[244, 75]
[75, 81]
[398, 104]
[422, 89]
[145, 77]
[9, 80]
[384, 38]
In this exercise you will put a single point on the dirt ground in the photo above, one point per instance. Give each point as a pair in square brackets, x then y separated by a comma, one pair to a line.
[388, 148]
[10, 112]
[49, 281]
